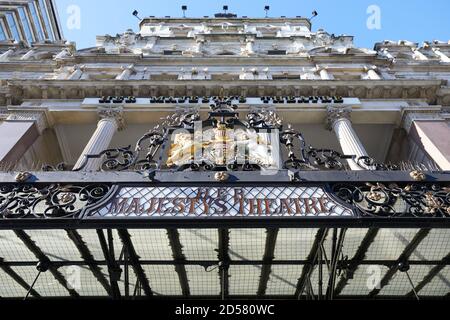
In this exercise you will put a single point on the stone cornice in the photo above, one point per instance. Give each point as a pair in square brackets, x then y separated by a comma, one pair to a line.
[411, 115]
[210, 60]
[39, 117]
[363, 83]
[283, 20]
[428, 90]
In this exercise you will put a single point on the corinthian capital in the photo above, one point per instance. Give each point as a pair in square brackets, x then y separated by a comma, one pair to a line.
[112, 113]
[336, 113]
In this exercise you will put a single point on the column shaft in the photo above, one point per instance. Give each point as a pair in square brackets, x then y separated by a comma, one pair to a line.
[99, 142]
[349, 141]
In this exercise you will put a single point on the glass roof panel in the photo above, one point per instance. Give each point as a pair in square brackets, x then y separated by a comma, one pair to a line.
[9, 288]
[203, 282]
[352, 241]
[434, 247]
[399, 284]
[163, 280]
[46, 285]
[55, 244]
[283, 279]
[247, 244]
[13, 249]
[244, 280]
[90, 237]
[294, 244]
[152, 244]
[199, 244]
[390, 243]
[439, 285]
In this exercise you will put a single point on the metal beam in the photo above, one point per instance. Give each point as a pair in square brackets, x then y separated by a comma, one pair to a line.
[178, 256]
[134, 260]
[224, 262]
[357, 259]
[266, 269]
[430, 276]
[87, 256]
[29, 243]
[312, 257]
[421, 234]
[337, 249]
[18, 279]
[341, 264]
[114, 270]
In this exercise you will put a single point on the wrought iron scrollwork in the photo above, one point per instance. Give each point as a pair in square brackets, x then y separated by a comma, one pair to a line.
[379, 200]
[59, 167]
[368, 163]
[222, 119]
[309, 158]
[181, 119]
[155, 139]
[264, 119]
[208, 166]
[51, 201]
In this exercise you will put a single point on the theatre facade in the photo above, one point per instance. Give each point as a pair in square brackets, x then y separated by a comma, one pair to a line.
[224, 157]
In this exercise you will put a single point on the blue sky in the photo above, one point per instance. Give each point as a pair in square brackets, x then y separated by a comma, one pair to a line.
[414, 20]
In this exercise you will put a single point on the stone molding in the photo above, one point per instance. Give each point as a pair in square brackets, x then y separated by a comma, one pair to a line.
[38, 117]
[411, 116]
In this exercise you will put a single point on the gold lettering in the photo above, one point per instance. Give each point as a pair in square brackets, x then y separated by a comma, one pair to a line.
[285, 203]
[134, 206]
[118, 205]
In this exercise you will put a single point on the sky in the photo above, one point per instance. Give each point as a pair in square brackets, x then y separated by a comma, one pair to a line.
[370, 21]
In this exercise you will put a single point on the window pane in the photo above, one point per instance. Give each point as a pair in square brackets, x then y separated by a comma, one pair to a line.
[46, 19]
[26, 24]
[13, 26]
[2, 33]
[37, 22]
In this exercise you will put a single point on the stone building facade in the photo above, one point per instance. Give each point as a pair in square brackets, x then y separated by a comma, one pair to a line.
[361, 156]
[399, 92]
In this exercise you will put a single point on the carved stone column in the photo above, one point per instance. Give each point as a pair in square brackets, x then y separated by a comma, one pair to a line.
[338, 120]
[111, 120]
